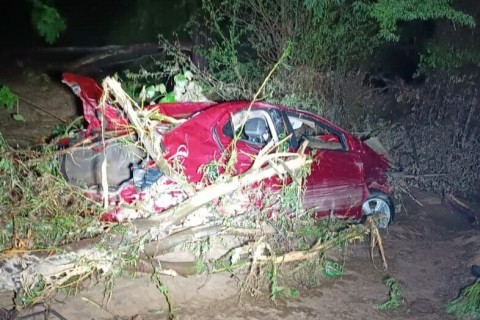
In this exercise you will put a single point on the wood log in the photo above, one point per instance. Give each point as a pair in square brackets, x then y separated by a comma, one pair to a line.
[86, 50]
[109, 54]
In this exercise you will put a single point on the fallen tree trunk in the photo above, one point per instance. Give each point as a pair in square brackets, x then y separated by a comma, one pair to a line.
[136, 47]
[98, 55]
[155, 248]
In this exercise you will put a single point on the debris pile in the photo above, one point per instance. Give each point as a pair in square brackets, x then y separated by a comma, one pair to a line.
[261, 233]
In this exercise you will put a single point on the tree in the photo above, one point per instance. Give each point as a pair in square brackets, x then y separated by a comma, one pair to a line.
[325, 33]
[47, 21]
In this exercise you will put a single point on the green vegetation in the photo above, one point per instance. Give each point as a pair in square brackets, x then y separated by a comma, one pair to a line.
[395, 299]
[39, 209]
[333, 269]
[325, 34]
[163, 289]
[387, 14]
[8, 100]
[468, 302]
[33, 295]
[47, 21]
[325, 41]
[440, 58]
[68, 130]
[277, 290]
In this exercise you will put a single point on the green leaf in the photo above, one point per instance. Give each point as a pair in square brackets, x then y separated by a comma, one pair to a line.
[179, 77]
[170, 97]
[48, 21]
[150, 92]
[18, 117]
[395, 298]
[7, 98]
[293, 293]
[161, 88]
[467, 304]
[333, 269]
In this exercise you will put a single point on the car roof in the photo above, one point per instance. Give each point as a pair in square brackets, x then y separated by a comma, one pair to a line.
[235, 105]
[188, 109]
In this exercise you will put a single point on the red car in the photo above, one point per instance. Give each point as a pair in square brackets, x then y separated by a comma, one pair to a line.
[348, 179]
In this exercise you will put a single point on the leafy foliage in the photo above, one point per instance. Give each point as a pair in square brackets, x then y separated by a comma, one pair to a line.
[468, 302]
[67, 129]
[325, 33]
[333, 269]
[275, 289]
[229, 57]
[243, 38]
[395, 299]
[38, 209]
[185, 88]
[389, 13]
[8, 99]
[47, 21]
[438, 57]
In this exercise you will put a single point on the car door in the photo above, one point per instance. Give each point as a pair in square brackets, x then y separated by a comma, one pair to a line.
[335, 185]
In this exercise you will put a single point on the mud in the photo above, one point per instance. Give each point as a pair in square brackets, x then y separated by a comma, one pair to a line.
[429, 251]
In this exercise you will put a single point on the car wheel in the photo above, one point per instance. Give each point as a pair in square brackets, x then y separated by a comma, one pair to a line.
[381, 206]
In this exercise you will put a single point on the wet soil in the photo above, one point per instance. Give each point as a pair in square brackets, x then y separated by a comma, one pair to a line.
[429, 251]
[44, 102]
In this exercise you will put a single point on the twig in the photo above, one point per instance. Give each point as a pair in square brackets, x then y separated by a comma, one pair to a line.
[376, 241]
[103, 103]
[248, 232]
[459, 206]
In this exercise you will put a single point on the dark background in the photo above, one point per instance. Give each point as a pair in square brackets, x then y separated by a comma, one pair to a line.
[97, 22]
[122, 22]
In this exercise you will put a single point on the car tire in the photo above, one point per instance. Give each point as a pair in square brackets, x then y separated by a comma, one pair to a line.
[379, 204]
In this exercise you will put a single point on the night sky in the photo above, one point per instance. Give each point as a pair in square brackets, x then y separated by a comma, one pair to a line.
[96, 22]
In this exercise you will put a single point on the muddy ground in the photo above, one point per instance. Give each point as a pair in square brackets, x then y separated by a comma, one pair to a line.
[429, 251]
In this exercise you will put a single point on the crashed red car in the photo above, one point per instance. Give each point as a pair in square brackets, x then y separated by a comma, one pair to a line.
[348, 178]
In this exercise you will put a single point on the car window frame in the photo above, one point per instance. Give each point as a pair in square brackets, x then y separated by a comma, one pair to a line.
[330, 130]
[256, 111]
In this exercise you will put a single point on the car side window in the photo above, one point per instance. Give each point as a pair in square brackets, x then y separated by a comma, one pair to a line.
[318, 135]
[255, 127]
